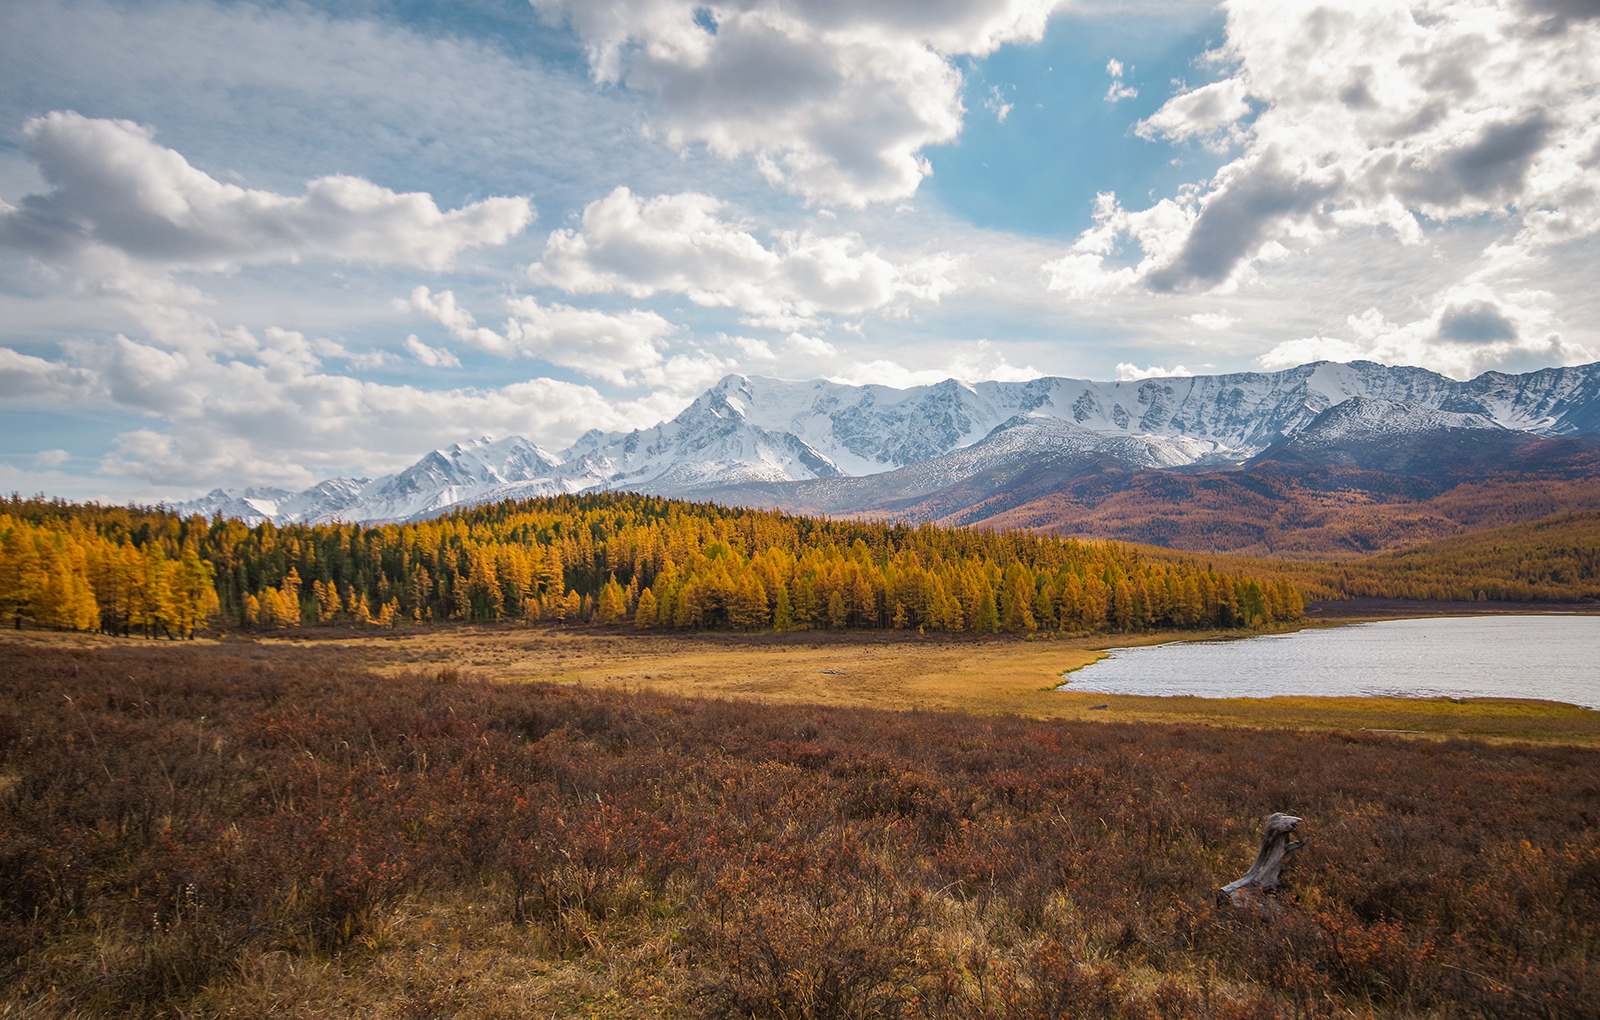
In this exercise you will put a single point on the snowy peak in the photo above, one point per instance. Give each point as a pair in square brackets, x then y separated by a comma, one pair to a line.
[756, 432]
[478, 463]
[1398, 437]
[1370, 417]
[255, 505]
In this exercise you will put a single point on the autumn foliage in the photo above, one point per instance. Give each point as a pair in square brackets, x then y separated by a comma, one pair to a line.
[118, 572]
[640, 561]
[658, 563]
[172, 815]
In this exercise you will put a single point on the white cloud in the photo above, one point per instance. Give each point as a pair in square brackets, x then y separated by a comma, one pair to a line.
[759, 350]
[112, 187]
[682, 243]
[1214, 321]
[1410, 117]
[618, 348]
[433, 357]
[1117, 91]
[1210, 112]
[624, 349]
[834, 100]
[1132, 373]
[809, 346]
[1469, 331]
[51, 458]
[442, 308]
[284, 422]
[996, 104]
[983, 360]
[976, 362]
[25, 378]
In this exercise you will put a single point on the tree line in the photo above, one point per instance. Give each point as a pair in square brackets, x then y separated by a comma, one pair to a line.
[615, 558]
[73, 568]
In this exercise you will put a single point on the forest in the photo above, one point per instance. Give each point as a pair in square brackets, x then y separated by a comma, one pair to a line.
[659, 564]
[618, 558]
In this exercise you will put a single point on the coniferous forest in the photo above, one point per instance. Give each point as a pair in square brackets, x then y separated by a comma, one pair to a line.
[606, 559]
[659, 564]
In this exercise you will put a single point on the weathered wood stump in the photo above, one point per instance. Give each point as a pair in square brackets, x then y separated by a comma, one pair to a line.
[1276, 843]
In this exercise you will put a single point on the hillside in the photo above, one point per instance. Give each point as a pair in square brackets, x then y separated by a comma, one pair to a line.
[606, 559]
[1301, 511]
[1554, 559]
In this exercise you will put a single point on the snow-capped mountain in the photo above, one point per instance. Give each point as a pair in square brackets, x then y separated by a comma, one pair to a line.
[841, 448]
[1398, 438]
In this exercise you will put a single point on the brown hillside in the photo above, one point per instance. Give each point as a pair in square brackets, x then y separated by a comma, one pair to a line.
[1281, 511]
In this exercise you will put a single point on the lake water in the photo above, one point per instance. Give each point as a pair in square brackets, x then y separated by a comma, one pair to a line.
[1555, 657]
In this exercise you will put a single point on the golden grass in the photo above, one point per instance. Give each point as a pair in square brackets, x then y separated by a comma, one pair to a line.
[995, 675]
[875, 670]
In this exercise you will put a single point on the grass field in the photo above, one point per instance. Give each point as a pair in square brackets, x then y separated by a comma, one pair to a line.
[876, 670]
[933, 673]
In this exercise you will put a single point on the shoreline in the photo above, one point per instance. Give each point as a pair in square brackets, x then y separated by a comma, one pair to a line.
[902, 673]
[1427, 692]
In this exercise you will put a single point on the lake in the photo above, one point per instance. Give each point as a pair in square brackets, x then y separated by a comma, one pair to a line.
[1555, 657]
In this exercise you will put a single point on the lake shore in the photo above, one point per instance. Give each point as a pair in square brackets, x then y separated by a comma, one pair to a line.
[1362, 609]
[896, 671]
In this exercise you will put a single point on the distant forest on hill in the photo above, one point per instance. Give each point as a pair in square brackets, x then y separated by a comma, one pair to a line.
[605, 559]
[656, 563]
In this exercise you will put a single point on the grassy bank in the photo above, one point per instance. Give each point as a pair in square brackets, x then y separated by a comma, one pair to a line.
[885, 671]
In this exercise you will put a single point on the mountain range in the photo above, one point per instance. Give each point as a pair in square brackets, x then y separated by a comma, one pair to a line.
[964, 453]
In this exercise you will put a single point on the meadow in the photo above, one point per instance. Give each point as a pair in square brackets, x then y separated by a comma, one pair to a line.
[527, 822]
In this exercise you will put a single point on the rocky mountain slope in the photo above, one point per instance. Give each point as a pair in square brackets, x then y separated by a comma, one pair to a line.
[939, 450]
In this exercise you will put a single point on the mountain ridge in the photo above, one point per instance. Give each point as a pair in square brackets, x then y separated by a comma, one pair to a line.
[876, 450]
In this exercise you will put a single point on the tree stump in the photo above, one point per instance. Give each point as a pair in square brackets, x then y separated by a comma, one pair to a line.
[1276, 843]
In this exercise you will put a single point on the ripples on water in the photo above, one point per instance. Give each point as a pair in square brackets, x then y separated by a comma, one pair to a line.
[1556, 658]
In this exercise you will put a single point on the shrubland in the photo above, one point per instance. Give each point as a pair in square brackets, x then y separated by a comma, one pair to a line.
[194, 830]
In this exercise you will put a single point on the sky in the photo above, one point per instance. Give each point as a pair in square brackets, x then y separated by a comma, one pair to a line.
[262, 243]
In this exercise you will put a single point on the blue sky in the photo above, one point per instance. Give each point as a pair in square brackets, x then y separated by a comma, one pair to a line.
[266, 243]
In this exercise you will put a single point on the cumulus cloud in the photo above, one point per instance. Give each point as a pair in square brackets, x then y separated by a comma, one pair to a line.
[24, 377]
[1127, 372]
[285, 421]
[685, 244]
[442, 308]
[834, 100]
[433, 357]
[976, 362]
[113, 188]
[51, 458]
[809, 346]
[622, 348]
[613, 347]
[1408, 117]
[1469, 331]
[1118, 91]
[1213, 321]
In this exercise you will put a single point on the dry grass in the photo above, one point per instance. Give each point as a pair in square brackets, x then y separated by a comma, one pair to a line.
[237, 829]
[876, 670]
[998, 675]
